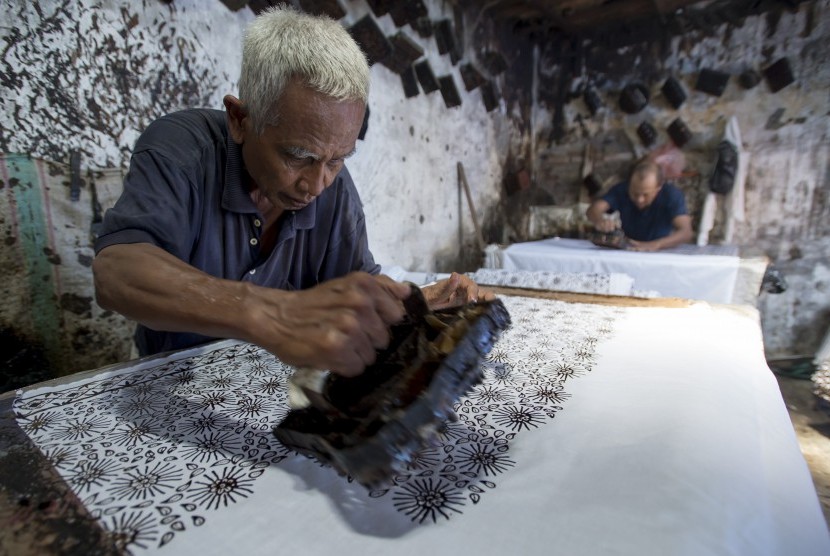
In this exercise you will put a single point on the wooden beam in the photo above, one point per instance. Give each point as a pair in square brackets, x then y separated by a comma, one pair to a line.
[574, 16]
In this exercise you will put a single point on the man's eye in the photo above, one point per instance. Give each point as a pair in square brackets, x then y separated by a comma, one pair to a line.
[298, 160]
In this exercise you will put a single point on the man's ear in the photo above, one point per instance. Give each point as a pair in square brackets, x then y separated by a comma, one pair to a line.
[238, 122]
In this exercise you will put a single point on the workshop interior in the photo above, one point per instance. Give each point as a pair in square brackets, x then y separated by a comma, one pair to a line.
[611, 394]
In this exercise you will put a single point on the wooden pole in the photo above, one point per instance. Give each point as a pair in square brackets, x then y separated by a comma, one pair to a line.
[462, 178]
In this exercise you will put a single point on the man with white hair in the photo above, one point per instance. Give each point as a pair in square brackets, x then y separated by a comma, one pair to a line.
[246, 224]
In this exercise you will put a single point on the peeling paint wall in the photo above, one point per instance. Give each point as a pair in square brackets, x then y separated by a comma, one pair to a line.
[89, 75]
[786, 134]
[405, 170]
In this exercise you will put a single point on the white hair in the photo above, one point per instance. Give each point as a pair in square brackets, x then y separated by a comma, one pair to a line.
[281, 44]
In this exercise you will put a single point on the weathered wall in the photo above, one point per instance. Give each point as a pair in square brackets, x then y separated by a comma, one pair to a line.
[88, 76]
[406, 170]
[785, 133]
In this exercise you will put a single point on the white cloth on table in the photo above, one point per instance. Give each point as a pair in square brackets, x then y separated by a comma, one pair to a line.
[597, 430]
[614, 283]
[704, 273]
[733, 202]
[416, 277]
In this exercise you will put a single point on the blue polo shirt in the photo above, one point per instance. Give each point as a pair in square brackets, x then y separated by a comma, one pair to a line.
[185, 193]
[653, 222]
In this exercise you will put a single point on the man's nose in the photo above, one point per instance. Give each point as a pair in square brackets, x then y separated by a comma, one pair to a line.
[316, 179]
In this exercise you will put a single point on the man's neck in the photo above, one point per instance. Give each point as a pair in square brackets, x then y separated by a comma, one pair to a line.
[268, 211]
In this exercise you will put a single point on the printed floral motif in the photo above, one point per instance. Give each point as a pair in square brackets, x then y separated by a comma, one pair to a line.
[156, 452]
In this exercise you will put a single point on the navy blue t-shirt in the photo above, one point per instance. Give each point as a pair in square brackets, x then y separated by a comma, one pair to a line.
[184, 192]
[653, 222]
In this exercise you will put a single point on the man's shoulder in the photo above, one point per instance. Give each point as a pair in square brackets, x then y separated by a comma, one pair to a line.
[672, 191]
[618, 191]
[184, 134]
[672, 199]
[620, 186]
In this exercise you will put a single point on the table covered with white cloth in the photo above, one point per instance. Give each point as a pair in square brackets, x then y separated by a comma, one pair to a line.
[599, 429]
[714, 273]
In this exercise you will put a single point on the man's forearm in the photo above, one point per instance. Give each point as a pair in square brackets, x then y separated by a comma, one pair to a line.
[337, 325]
[675, 238]
[595, 214]
[146, 284]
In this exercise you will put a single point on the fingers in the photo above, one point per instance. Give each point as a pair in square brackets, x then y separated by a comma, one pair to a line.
[389, 301]
[485, 295]
[346, 354]
[340, 325]
[455, 290]
[369, 307]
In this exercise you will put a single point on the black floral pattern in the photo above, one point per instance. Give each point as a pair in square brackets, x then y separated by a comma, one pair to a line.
[156, 452]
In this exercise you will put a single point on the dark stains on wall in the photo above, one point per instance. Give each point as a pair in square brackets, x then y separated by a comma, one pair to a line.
[81, 79]
[505, 59]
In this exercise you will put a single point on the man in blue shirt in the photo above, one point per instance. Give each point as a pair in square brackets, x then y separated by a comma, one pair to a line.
[653, 213]
[247, 225]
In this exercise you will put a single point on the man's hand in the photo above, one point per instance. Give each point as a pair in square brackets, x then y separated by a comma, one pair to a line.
[633, 245]
[458, 289]
[606, 225]
[337, 325]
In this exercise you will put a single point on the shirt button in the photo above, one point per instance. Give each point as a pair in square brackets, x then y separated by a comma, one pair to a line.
[257, 222]
[252, 271]
[253, 241]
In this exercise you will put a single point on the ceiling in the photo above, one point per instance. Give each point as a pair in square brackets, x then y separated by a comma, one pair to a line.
[580, 17]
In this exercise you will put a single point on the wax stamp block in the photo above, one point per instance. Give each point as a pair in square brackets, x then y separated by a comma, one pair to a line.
[373, 425]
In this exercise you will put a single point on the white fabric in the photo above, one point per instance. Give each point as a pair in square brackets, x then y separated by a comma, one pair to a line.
[823, 353]
[733, 202]
[704, 273]
[659, 445]
[419, 278]
[614, 283]
[492, 256]
[707, 218]
[735, 199]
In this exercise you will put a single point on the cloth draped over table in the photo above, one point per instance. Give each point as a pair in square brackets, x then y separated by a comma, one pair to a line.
[597, 429]
[707, 273]
[733, 202]
[612, 283]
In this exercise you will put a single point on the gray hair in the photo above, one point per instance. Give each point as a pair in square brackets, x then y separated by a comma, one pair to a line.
[281, 44]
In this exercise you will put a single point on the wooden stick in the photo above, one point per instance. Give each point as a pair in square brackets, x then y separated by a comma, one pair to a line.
[463, 179]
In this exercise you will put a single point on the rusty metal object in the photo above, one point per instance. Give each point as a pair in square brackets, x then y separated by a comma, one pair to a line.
[614, 240]
[371, 425]
[39, 513]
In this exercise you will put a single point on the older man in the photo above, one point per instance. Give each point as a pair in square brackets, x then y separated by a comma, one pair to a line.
[653, 213]
[246, 224]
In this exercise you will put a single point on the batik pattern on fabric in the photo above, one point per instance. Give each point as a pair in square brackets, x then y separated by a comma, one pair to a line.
[578, 282]
[156, 452]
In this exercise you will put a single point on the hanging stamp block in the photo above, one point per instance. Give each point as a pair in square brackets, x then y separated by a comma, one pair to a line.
[426, 77]
[449, 91]
[674, 92]
[679, 132]
[779, 75]
[712, 82]
[647, 134]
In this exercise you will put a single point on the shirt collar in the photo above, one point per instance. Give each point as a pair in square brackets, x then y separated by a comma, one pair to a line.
[236, 199]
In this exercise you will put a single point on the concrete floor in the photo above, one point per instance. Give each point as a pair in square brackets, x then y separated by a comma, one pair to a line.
[811, 419]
